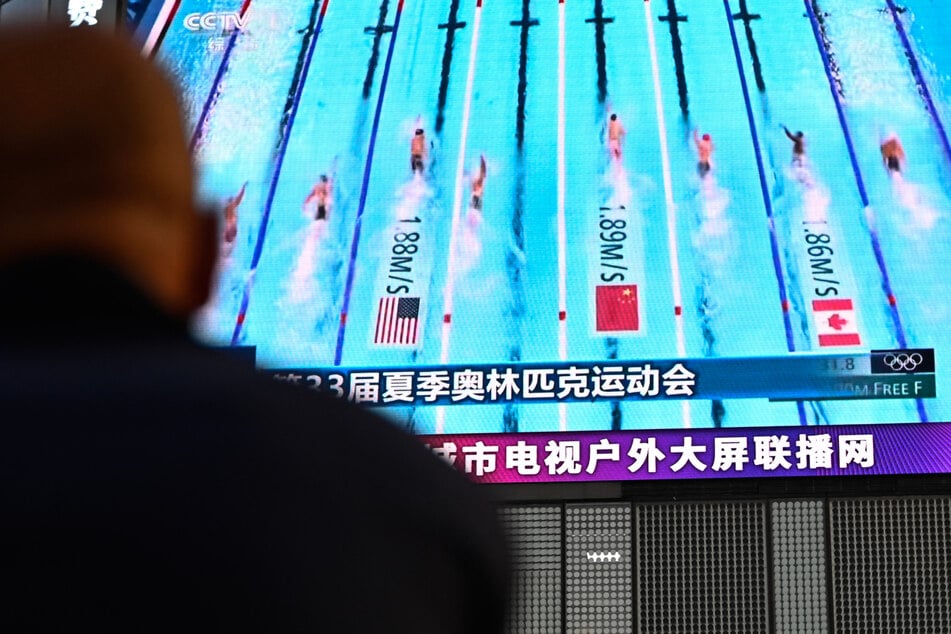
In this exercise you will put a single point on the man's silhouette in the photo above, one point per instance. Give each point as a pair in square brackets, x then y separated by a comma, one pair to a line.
[149, 484]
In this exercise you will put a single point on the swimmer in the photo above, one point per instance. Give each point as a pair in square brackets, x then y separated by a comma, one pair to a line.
[320, 195]
[418, 151]
[477, 185]
[616, 134]
[704, 151]
[893, 154]
[231, 215]
[799, 146]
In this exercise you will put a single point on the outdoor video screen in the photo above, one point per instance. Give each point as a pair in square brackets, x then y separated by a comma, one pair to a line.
[569, 240]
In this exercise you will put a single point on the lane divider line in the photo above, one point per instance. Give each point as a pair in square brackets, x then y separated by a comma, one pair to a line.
[920, 79]
[457, 204]
[160, 27]
[863, 193]
[355, 243]
[562, 231]
[671, 206]
[215, 91]
[767, 201]
[290, 110]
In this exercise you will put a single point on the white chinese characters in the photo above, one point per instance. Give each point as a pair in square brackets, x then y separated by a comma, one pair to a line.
[508, 384]
[84, 12]
[648, 455]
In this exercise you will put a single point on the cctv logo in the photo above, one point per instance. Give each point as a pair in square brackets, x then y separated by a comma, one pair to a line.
[217, 20]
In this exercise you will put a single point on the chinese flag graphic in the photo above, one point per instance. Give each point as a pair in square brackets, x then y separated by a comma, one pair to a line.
[616, 308]
[835, 322]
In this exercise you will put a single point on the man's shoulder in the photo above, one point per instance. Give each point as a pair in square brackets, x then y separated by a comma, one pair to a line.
[358, 441]
[201, 454]
[160, 398]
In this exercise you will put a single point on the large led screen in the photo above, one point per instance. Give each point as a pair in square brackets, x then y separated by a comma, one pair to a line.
[587, 239]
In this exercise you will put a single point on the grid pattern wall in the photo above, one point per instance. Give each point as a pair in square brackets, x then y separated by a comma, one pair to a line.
[702, 568]
[535, 542]
[891, 564]
[598, 577]
[799, 567]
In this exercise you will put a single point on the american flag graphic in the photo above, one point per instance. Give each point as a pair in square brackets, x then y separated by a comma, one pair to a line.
[397, 321]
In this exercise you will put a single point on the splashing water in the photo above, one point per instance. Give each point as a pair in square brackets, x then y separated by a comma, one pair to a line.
[713, 235]
[307, 303]
[714, 202]
[861, 34]
[815, 203]
[469, 244]
[410, 198]
[915, 199]
[212, 322]
[253, 87]
[301, 285]
[622, 194]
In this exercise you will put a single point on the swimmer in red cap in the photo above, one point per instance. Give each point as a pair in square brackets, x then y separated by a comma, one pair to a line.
[418, 151]
[893, 154]
[616, 134]
[704, 150]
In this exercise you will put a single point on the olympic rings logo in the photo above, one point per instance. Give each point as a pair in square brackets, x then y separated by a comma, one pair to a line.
[903, 362]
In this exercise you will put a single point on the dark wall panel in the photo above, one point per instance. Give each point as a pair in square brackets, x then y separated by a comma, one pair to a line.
[891, 564]
[799, 569]
[598, 577]
[702, 568]
[535, 540]
[790, 565]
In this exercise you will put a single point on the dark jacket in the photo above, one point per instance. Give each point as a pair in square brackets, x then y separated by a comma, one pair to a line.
[150, 484]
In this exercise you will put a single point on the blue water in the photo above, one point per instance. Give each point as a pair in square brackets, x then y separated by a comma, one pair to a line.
[505, 280]
[929, 32]
[191, 58]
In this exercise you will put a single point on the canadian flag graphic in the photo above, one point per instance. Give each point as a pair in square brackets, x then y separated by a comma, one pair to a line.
[835, 322]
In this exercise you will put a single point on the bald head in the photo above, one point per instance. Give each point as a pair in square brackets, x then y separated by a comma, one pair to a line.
[93, 159]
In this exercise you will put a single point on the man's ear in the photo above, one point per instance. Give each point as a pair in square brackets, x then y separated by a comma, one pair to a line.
[205, 255]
